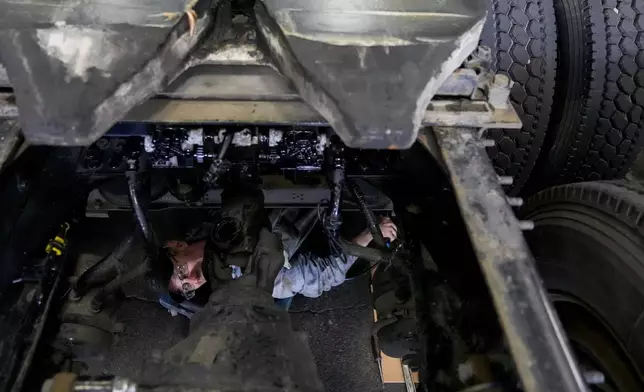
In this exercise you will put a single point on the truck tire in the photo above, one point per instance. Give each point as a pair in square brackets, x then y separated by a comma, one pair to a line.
[588, 243]
[597, 122]
[522, 36]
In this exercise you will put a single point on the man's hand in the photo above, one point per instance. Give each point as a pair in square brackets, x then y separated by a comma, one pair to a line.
[387, 227]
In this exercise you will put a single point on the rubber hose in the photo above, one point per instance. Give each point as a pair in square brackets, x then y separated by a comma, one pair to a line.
[112, 287]
[333, 219]
[114, 190]
[372, 224]
[140, 211]
[361, 252]
[106, 268]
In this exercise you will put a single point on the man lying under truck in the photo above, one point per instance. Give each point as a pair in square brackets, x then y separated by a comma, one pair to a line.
[240, 340]
[303, 273]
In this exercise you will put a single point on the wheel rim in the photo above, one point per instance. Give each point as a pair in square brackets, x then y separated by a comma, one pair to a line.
[595, 346]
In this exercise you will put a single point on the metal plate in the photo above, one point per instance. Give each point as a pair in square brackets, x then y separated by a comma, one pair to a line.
[439, 113]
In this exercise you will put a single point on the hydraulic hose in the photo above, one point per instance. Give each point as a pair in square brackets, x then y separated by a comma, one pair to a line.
[337, 177]
[115, 285]
[362, 252]
[156, 266]
[134, 187]
[335, 205]
[151, 268]
[105, 269]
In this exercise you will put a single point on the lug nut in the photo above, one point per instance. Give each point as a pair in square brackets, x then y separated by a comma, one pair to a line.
[594, 377]
[515, 201]
[501, 80]
[488, 143]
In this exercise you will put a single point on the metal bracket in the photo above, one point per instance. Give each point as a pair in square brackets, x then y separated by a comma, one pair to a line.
[292, 197]
[537, 342]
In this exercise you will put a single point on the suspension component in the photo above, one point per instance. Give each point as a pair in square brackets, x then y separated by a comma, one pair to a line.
[372, 223]
[333, 220]
[218, 165]
[531, 325]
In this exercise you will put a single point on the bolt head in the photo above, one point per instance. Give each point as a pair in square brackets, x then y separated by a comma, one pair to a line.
[501, 80]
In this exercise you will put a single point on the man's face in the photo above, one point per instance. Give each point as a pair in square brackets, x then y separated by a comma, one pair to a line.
[187, 259]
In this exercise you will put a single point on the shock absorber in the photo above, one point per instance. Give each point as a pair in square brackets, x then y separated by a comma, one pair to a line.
[218, 165]
[336, 165]
[372, 222]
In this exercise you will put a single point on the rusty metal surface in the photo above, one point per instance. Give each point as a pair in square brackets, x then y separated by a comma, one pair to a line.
[294, 197]
[250, 112]
[539, 347]
[440, 113]
[165, 110]
[127, 64]
[231, 81]
[370, 69]
[239, 72]
[234, 81]
[466, 114]
[241, 69]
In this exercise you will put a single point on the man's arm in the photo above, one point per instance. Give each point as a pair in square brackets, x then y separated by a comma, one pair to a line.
[312, 275]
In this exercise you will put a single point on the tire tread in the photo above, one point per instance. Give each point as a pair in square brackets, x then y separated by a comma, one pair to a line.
[621, 199]
[522, 35]
[598, 136]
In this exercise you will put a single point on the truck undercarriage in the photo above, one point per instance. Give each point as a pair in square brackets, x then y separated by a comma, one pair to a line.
[328, 109]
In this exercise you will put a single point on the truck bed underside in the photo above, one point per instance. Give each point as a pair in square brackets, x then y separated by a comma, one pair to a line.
[369, 70]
